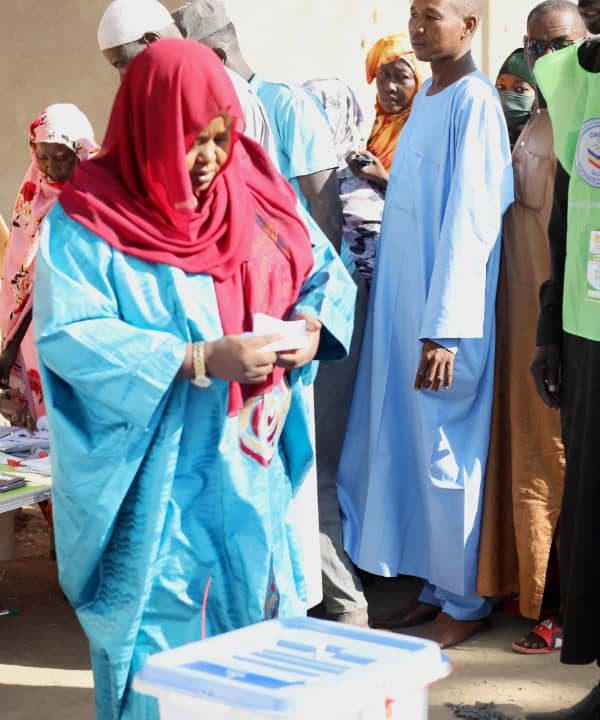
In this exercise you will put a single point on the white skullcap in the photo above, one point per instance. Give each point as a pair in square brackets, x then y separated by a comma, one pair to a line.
[125, 21]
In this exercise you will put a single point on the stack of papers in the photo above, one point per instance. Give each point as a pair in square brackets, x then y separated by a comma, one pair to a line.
[11, 482]
[26, 450]
[18, 440]
[41, 466]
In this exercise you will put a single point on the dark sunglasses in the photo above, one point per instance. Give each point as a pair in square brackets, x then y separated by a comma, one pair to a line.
[537, 48]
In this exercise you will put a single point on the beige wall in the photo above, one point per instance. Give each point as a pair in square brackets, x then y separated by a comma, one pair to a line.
[48, 54]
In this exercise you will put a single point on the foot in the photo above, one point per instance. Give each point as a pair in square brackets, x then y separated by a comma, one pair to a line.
[546, 637]
[587, 709]
[448, 632]
[418, 613]
[358, 617]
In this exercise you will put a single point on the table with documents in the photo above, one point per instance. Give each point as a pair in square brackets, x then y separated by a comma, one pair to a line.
[24, 454]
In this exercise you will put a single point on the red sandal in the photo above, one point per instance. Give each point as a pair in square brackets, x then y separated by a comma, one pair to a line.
[550, 632]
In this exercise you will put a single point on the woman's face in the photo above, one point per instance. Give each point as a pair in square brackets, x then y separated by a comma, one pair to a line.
[209, 153]
[507, 82]
[396, 86]
[56, 161]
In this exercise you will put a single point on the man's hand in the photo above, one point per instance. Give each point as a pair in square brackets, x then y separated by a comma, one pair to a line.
[436, 368]
[546, 370]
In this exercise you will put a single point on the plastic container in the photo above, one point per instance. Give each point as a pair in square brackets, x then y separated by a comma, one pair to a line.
[297, 669]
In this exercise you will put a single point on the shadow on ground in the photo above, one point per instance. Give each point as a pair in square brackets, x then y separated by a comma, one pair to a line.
[47, 703]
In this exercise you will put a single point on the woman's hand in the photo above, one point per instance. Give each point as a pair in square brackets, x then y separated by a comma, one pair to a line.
[236, 358]
[13, 407]
[7, 359]
[299, 358]
[436, 368]
[373, 172]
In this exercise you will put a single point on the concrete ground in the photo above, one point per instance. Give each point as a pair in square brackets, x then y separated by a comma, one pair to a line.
[45, 675]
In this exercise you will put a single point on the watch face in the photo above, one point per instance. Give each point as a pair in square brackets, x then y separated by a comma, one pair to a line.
[202, 382]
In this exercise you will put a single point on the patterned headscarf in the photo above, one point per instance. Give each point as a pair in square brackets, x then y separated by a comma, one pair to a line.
[344, 115]
[66, 125]
[387, 127]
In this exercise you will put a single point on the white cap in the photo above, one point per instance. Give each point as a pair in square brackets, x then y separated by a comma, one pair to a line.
[125, 21]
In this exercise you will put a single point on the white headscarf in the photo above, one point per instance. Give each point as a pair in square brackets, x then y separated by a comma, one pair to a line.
[125, 21]
[64, 123]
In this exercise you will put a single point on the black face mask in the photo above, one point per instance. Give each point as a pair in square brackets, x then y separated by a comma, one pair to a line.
[517, 107]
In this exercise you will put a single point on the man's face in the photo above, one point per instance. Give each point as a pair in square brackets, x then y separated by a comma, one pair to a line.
[437, 29]
[590, 12]
[120, 57]
[548, 32]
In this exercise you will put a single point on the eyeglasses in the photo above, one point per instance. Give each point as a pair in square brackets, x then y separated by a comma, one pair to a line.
[537, 48]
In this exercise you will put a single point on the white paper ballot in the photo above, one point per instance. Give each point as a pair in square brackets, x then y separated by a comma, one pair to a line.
[293, 332]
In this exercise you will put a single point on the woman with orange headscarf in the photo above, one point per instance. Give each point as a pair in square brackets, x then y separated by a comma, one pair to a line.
[391, 62]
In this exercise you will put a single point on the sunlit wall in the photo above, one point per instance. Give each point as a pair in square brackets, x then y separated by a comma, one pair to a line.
[48, 54]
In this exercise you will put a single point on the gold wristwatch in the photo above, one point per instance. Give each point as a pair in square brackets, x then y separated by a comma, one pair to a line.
[200, 378]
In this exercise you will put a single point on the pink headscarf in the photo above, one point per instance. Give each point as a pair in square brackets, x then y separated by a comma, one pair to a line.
[66, 125]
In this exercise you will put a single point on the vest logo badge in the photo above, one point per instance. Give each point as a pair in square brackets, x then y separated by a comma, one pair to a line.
[587, 160]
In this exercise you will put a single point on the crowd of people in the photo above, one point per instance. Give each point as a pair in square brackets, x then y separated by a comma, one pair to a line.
[414, 255]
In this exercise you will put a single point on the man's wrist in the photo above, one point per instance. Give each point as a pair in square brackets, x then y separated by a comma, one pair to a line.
[449, 344]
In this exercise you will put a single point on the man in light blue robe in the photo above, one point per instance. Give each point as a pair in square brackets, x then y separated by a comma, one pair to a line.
[412, 470]
[154, 495]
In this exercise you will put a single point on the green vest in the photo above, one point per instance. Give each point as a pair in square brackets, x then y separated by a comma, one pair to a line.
[573, 97]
